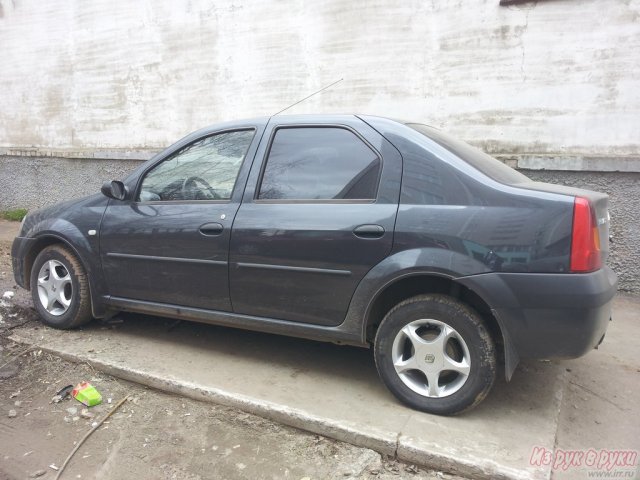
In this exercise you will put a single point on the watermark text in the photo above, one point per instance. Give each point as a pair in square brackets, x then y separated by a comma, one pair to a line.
[602, 459]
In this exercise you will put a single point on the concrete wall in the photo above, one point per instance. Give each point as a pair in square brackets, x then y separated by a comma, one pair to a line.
[552, 76]
[85, 87]
[34, 182]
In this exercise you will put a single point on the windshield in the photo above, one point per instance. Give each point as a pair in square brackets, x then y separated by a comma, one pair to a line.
[474, 157]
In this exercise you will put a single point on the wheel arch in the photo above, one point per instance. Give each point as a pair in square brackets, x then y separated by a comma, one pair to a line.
[40, 244]
[417, 283]
[47, 239]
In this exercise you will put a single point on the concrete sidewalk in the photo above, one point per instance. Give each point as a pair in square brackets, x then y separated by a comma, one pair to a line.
[326, 389]
[590, 402]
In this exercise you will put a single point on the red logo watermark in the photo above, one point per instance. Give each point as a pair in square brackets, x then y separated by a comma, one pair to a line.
[602, 459]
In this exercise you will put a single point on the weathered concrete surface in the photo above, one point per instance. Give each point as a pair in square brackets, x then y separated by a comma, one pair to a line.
[598, 393]
[326, 389]
[624, 204]
[541, 77]
[576, 163]
[600, 408]
[34, 182]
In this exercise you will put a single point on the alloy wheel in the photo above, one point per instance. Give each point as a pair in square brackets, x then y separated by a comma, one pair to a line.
[55, 289]
[431, 358]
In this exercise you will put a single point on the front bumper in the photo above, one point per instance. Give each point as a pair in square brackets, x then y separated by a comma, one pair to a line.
[19, 251]
[548, 315]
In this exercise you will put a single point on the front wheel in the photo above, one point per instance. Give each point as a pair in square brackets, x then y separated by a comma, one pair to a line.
[60, 288]
[435, 354]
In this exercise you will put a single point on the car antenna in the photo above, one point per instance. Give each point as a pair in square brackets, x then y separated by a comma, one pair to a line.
[309, 96]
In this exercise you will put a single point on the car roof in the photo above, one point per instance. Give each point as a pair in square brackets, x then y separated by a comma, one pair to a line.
[301, 118]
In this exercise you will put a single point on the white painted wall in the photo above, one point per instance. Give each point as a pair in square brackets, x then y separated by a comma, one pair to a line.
[553, 76]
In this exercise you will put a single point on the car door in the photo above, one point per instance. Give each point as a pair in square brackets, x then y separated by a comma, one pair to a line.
[169, 242]
[317, 214]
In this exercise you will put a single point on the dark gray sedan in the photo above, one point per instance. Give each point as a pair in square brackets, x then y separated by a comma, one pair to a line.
[343, 228]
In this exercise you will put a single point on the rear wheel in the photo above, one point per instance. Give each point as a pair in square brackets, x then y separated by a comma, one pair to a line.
[60, 288]
[435, 354]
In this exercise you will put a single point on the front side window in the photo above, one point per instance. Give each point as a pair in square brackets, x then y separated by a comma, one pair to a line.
[319, 163]
[203, 170]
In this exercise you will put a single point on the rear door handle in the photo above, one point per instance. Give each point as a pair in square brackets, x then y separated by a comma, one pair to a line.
[211, 229]
[369, 231]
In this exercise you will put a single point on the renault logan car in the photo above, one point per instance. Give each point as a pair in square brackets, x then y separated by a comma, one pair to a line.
[350, 229]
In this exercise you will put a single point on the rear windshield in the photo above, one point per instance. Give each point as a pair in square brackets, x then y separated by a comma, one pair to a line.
[474, 157]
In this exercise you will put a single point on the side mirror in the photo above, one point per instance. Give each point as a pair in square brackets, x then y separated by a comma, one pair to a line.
[114, 189]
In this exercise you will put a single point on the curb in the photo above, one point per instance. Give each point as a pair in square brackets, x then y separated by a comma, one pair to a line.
[401, 447]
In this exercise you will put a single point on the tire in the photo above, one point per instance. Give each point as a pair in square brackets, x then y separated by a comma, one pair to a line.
[62, 300]
[439, 337]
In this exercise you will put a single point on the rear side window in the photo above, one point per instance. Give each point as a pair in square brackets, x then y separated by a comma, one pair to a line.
[319, 163]
[429, 181]
[474, 157]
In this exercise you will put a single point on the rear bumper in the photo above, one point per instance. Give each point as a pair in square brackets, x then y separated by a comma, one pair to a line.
[19, 250]
[548, 315]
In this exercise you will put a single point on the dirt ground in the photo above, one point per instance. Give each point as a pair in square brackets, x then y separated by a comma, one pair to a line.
[153, 435]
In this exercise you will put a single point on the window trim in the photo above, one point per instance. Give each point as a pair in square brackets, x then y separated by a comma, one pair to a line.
[139, 181]
[265, 161]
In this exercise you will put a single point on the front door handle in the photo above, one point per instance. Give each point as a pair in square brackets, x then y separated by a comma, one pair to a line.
[211, 229]
[369, 231]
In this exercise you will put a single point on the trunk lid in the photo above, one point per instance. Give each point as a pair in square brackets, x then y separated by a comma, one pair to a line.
[599, 202]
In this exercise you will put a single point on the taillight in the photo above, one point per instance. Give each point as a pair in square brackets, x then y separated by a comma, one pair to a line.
[585, 239]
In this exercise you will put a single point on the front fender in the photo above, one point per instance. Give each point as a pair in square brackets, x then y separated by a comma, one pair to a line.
[64, 230]
[86, 251]
[70, 224]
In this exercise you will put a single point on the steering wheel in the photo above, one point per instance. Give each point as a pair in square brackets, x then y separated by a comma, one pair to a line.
[191, 191]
